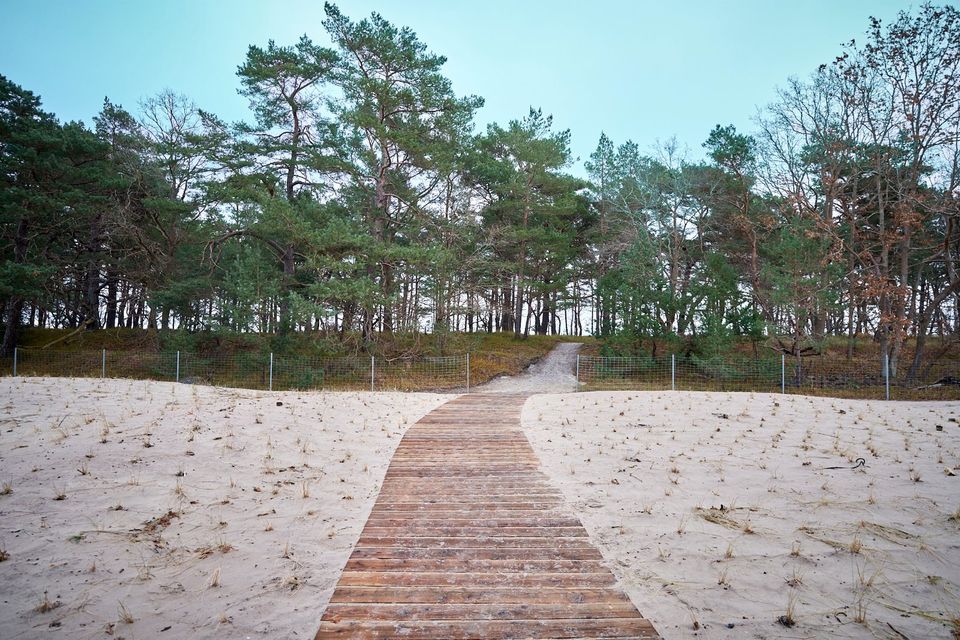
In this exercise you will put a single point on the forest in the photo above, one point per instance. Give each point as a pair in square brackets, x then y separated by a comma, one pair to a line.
[362, 200]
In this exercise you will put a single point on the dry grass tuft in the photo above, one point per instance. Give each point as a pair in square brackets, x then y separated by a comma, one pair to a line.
[788, 619]
[856, 545]
[795, 579]
[891, 534]
[293, 582]
[124, 613]
[722, 578]
[46, 604]
[860, 610]
[720, 516]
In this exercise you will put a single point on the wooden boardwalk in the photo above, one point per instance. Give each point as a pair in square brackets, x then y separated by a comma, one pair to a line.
[468, 539]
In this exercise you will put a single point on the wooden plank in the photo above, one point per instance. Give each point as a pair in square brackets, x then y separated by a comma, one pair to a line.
[472, 542]
[477, 595]
[422, 507]
[474, 565]
[467, 629]
[435, 520]
[521, 611]
[504, 532]
[479, 553]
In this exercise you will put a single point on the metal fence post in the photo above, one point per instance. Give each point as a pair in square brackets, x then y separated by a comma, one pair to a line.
[673, 372]
[783, 373]
[271, 372]
[15, 362]
[178, 367]
[886, 373]
[578, 371]
[468, 372]
[372, 369]
[103, 364]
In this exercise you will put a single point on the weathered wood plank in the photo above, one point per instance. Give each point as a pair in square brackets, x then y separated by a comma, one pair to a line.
[473, 565]
[522, 611]
[434, 520]
[423, 579]
[479, 553]
[503, 532]
[466, 629]
[477, 595]
[472, 542]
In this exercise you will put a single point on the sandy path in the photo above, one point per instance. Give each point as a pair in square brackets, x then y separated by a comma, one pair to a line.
[555, 373]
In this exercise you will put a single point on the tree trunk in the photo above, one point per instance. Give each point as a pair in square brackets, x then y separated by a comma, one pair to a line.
[111, 314]
[14, 305]
[924, 324]
[289, 271]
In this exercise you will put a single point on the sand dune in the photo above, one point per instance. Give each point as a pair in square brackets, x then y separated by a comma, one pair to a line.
[155, 510]
[719, 512]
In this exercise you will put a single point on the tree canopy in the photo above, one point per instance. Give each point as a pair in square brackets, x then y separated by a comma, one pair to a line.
[361, 200]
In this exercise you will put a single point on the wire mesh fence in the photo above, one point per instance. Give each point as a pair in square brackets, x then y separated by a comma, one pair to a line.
[938, 380]
[250, 370]
[825, 376]
[404, 374]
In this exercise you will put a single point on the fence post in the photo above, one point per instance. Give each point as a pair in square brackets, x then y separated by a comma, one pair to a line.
[270, 383]
[103, 364]
[783, 373]
[673, 372]
[178, 367]
[886, 373]
[372, 369]
[468, 372]
[15, 362]
[578, 371]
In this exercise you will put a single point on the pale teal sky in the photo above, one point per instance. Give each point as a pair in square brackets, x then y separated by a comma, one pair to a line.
[643, 70]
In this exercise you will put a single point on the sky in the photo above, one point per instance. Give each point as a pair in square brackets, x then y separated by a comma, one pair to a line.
[643, 70]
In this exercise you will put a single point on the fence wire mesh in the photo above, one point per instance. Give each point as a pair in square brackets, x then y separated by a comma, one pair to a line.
[441, 372]
[249, 370]
[938, 380]
[809, 376]
[304, 373]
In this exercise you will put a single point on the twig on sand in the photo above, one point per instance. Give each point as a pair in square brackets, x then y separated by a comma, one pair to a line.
[860, 463]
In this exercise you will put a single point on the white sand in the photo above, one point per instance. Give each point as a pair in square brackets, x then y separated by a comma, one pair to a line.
[243, 553]
[637, 466]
